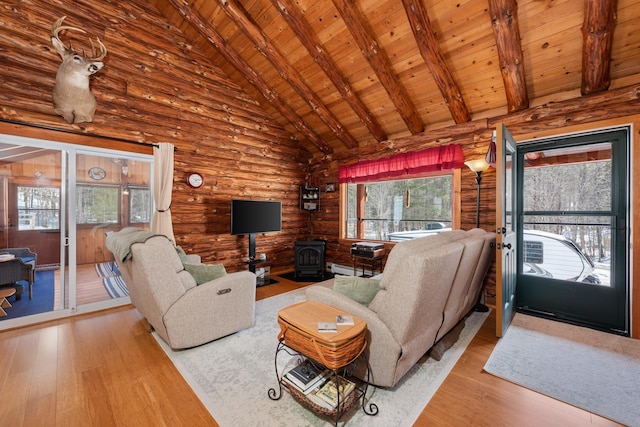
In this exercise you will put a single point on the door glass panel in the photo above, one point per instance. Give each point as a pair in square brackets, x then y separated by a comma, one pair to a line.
[567, 214]
[508, 191]
[111, 193]
[30, 215]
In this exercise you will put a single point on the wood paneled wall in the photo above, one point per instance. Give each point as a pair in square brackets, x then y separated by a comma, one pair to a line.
[156, 87]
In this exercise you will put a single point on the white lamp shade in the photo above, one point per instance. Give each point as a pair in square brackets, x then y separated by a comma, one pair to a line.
[477, 165]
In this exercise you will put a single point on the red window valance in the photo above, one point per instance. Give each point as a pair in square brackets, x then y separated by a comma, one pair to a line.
[417, 162]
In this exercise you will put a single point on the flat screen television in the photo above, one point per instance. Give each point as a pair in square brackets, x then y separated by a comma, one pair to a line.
[255, 216]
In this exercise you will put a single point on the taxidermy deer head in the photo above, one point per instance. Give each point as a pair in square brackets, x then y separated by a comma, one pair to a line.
[72, 98]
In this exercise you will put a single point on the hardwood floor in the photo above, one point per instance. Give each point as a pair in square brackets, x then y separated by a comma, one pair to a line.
[105, 369]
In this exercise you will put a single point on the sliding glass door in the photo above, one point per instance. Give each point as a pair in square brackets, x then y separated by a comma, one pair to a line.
[111, 192]
[57, 203]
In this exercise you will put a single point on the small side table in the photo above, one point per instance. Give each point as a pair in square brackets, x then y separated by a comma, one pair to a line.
[4, 303]
[265, 279]
[372, 263]
[334, 350]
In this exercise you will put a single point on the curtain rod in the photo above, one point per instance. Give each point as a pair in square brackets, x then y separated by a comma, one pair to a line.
[94, 135]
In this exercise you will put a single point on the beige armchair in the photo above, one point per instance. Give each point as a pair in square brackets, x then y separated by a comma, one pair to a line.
[21, 268]
[428, 285]
[182, 313]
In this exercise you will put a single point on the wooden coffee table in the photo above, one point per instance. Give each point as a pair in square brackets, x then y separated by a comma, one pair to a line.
[4, 303]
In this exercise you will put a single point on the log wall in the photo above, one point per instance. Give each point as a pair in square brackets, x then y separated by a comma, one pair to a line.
[156, 87]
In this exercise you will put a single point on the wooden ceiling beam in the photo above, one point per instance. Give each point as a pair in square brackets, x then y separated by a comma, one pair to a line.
[597, 38]
[314, 46]
[504, 19]
[197, 21]
[380, 63]
[430, 51]
[236, 12]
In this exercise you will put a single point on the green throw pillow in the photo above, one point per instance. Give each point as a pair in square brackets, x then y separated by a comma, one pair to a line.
[360, 289]
[181, 253]
[203, 273]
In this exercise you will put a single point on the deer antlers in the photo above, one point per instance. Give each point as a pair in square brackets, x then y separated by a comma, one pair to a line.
[57, 27]
[72, 98]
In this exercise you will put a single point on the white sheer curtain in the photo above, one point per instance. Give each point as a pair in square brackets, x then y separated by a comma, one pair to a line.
[162, 187]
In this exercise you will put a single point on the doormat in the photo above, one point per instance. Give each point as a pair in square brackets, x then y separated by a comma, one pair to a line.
[592, 370]
[115, 286]
[107, 269]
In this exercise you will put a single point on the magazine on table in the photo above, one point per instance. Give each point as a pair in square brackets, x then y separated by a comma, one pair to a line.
[327, 327]
[329, 392]
[306, 376]
[344, 320]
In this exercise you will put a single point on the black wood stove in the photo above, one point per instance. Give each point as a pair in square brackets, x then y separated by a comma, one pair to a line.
[309, 258]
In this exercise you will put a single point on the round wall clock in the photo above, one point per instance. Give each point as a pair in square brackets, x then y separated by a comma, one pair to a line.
[97, 173]
[195, 180]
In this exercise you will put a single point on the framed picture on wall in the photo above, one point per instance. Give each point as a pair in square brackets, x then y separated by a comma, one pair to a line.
[329, 188]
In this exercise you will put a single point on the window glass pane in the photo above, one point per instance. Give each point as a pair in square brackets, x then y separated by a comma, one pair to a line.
[139, 205]
[38, 208]
[96, 204]
[400, 210]
[567, 179]
[352, 209]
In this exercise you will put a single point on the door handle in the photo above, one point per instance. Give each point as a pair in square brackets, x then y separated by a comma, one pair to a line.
[507, 246]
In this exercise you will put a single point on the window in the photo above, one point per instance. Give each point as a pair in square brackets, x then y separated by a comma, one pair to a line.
[533, 252]
[139, 205]
[97, 204]
[38, 208]
[399, 210]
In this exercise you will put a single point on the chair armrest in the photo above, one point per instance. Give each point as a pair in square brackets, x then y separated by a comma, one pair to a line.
[212, 310]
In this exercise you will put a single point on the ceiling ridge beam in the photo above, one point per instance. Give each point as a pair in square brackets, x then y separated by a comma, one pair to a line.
[236, 12]
[504, 20]
[597, 39]
[380, 63]
[430, 51]
[314, 46]
[196, 20]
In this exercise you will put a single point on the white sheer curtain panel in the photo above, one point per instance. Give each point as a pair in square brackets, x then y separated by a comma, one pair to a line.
[162, 186]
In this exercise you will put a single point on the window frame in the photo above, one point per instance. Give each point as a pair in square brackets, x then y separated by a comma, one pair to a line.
[19, 210]
[119, 202]
[132, 189]
[455, 203]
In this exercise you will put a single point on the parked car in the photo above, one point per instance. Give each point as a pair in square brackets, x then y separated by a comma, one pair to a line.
[555, 256]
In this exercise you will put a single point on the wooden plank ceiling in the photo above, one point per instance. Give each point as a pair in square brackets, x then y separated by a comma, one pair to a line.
[340, 75]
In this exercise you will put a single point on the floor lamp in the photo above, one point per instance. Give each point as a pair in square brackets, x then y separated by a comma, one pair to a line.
[478, 166]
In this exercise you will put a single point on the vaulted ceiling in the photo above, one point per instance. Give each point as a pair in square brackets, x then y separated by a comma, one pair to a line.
[343, 74]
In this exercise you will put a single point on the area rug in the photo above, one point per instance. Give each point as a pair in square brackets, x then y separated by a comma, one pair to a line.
[107, 269]
[115, 286]
[42, 301]
[232, 376]
[592, 370]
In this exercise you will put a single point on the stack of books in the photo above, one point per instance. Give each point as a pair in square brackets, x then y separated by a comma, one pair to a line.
[306, 377]
[326, 396]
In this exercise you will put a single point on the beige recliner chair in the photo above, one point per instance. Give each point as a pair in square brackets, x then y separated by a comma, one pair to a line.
[428, 285]
[182, 313]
